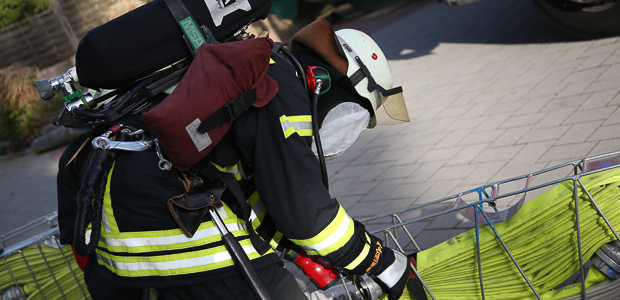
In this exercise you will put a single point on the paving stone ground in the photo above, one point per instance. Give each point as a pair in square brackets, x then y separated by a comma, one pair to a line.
[494, 90]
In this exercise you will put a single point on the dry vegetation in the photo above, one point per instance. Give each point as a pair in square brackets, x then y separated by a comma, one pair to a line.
[16, 84]
[22, 112]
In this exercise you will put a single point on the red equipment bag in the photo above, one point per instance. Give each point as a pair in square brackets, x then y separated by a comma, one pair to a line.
[148, 39]
[223, 81]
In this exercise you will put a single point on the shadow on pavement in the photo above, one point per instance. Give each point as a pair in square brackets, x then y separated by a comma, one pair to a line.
[482, 22]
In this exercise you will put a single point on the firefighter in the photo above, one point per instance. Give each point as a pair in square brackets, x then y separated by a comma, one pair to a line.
[269, 150]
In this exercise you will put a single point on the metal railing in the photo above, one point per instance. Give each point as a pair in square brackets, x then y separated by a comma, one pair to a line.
[491, 195]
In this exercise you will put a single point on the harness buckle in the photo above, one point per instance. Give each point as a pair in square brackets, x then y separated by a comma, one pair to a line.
[235, 107]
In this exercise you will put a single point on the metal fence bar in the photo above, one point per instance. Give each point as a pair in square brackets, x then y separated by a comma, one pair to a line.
[510, 254]
[400, 248]
[51, 271]
[409, 234]
[77, 281]
[32, 273]
[478, 250]
[575, 164]
[581, 268]
[346, 289]
[598, 209]
[29, 226]
[13, 276]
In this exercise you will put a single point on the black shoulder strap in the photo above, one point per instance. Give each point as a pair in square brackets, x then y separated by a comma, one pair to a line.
[280, 51]
[194, 35]
[229, 112]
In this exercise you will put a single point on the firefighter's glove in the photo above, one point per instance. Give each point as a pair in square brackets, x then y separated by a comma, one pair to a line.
[390, 270]
[90, 201]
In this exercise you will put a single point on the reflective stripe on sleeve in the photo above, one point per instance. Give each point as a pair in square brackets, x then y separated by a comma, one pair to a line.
[395, 271]
[301, 125]
[332, 238]
[360, 258]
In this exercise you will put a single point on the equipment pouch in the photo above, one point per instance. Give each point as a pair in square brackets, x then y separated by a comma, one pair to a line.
[189, 209]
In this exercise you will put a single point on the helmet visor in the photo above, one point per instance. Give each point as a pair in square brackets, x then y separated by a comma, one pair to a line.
[393, 110]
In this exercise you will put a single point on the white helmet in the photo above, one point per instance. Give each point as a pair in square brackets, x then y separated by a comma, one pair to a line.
[370, 73]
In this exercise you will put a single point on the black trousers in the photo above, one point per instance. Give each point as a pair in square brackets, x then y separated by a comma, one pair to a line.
[280, 283]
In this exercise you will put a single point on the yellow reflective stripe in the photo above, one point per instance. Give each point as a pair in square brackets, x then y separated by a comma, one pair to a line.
[229, 169]
[332, 238]
[258, 213]
[175, 264]
[224, 212]
[207, 235]
[275, 241]
[253, 198]
[172, 239]
[301, 125]
[271, 61]
[108, 220]
[169, 257]
[358, 260]
[300, 118]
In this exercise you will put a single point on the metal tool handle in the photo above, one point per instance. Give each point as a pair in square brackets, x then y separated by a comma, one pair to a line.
[240, 258]
[46, 91]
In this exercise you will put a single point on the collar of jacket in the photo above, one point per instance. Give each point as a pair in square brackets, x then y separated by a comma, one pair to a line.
[321, 38]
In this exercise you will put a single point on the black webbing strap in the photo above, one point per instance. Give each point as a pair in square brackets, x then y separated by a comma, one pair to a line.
[357, 77]
[363, 72]
[229, 112]
[210, 171]
[192, 32]
[280, 51]
[276, 47]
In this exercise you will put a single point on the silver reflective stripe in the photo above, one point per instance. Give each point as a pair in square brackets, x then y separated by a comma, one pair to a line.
[296, 125]
[334, 238]
[228, 169]
[395, 271]
[167, 240]
[257, 208]
[302, 125]
[252, 215]
[232, 169]
[173, 239]
[106, 223]
[222, 212]
[175, 264]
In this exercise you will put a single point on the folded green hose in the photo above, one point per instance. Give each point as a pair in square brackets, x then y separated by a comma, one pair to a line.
[71, 289]
[542, 237]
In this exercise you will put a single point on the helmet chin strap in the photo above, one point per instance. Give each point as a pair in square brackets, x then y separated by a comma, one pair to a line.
[363, 72]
